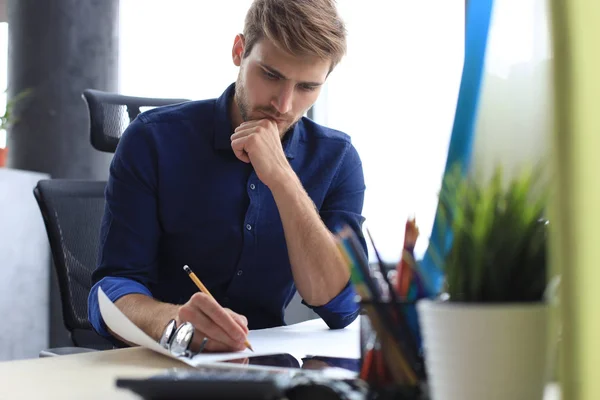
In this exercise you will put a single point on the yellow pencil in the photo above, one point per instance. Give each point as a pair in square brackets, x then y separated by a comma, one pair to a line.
[204, 290]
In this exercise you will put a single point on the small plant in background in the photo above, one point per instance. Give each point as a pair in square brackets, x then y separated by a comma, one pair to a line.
[499, 238]
[7, 119]
[4, 122]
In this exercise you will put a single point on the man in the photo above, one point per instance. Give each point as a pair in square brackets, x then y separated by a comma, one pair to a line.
[242, 189]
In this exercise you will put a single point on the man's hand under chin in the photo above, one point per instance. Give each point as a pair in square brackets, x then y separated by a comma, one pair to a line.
[318, 269]
[258, 142]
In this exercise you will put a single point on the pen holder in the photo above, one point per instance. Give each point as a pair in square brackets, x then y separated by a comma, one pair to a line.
[391, 355]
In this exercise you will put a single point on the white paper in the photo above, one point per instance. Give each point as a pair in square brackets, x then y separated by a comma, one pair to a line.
[118, 323]
[127, 330]
[306, 338]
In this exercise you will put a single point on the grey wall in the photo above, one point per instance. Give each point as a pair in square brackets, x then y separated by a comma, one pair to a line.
[3, 16]
[298, 312]
[57, 49]
[24, 260]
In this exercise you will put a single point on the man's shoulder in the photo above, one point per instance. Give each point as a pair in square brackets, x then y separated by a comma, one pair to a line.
[324, 140]
[315, 131]
[158, 127]
[189, 110]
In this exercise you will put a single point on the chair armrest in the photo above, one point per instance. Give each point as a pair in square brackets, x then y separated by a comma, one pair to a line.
[64, 351]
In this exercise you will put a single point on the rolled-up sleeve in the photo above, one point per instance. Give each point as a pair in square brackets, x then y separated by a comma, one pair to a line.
[127, 259]
[343, 207]
[114, 288]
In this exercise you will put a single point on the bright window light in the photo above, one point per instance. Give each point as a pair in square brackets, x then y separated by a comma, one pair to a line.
[395, 92]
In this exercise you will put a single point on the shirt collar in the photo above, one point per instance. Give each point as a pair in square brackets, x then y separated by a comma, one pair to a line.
[291, 139]
[224, 128]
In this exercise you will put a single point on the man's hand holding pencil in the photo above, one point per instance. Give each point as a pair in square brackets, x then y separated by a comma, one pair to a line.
[225, 329]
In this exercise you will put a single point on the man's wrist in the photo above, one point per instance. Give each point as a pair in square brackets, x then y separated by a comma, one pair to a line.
[171, 311]
[284, 180]
[150, 315]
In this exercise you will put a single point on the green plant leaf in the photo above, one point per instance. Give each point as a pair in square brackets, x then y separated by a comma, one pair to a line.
[498, 252]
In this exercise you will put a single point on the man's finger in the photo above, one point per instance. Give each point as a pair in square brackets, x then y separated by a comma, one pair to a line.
[239, 143]
[252, 123]
[240, 319]
[238, 146]
[219, 316]
[242, 132]
[213, 345]
[245, 130]
[219, 347]
[242, 156]
[200, 320]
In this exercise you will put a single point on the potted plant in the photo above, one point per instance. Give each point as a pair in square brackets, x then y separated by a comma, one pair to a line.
[486, 336]
[6, 121]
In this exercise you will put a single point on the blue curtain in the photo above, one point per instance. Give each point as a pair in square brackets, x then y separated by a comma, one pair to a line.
[461, 142]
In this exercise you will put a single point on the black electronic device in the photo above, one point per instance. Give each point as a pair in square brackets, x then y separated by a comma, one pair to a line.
[259, 377]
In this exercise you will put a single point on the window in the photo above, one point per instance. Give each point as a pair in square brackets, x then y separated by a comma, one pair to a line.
[179, 48]
[395, 94]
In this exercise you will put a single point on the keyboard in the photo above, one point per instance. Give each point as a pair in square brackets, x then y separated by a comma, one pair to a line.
[213, 382]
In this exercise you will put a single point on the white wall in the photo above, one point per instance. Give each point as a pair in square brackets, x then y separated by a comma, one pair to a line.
[179, 48]
[25, 266]
[514, 124]
[395, 94]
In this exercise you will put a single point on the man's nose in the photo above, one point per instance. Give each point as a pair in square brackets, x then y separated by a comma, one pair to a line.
[283, 101]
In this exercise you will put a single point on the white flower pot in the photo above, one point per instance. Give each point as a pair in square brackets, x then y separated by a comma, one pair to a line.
[484, 351]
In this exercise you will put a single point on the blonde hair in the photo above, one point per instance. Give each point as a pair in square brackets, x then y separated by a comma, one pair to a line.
[299, 27]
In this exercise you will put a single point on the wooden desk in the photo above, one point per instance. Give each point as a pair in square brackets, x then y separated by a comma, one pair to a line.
[80, 376]
[93, 375]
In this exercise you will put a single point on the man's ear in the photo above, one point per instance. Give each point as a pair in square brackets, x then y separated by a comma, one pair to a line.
[237, 53]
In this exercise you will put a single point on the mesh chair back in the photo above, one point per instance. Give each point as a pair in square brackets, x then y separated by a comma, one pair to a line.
[72, 212]
[111, 113]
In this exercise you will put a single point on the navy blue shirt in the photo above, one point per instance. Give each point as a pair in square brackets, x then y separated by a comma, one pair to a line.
[177, 195]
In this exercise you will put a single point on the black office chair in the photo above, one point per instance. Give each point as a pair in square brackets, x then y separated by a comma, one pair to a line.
[72, 211]
[111, 113]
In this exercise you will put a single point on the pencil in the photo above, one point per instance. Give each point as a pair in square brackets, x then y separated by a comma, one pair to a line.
[368, 290]
[406, 263]
[204, 290]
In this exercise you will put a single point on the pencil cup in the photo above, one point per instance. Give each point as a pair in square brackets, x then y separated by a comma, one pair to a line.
[391, 359]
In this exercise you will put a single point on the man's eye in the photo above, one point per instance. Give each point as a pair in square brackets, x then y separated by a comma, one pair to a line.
[307, 88]
[270, 75]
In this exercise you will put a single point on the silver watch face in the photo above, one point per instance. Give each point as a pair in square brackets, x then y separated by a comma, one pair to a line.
[168, 334]
[182, 339]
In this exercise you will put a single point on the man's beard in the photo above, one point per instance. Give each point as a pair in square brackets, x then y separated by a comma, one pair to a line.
[244, 107]
[242, 100]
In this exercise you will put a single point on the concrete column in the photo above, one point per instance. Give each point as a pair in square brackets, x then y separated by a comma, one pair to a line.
[3, 17]
[58, 48]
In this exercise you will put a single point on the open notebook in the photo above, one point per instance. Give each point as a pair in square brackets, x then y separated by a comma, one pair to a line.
[303, 339]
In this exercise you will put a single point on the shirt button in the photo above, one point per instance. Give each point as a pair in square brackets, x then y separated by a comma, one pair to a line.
[249, 227]
[240, 272]
[252, 186]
